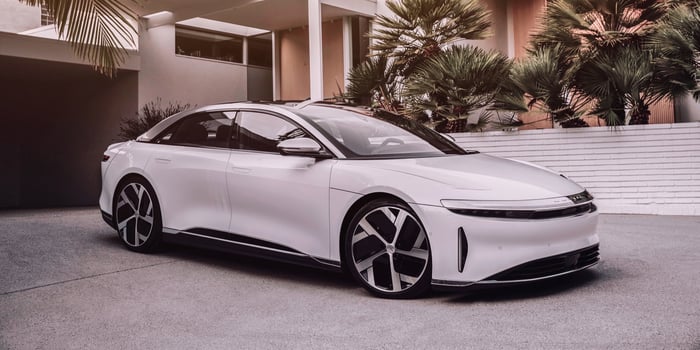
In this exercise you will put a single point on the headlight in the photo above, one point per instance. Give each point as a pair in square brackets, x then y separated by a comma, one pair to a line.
[524, 209]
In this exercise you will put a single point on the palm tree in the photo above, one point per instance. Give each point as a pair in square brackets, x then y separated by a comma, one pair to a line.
[591, 33]
[99, 30]
[410, 50]
[374, 83]
[678, 43]
[419, 29]
[544, 78]
[454, 83]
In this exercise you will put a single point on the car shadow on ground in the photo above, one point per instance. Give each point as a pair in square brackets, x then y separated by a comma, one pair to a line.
[532, 290]
[253, 266]
[268, 269]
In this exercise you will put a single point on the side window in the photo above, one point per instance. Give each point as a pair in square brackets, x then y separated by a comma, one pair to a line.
[262, 132]
[202, 129]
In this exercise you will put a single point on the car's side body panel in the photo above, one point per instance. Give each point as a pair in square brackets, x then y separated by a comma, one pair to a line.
[191, 185]
[281, 199]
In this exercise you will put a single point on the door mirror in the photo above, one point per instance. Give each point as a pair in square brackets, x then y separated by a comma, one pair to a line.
[302, 146]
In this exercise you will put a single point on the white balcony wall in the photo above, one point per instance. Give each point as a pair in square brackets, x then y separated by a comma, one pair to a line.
[17, 17]
[644, 169]
[185, 79]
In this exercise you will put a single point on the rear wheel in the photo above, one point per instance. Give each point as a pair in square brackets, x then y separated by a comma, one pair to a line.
[387, 250]
[137, 215]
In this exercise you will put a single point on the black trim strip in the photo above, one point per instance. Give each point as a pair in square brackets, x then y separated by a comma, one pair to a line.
[549, 266]
[108, 219]
[528, 214]
[243, 245]
[241, 239]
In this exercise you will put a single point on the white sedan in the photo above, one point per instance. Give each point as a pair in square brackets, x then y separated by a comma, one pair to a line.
[399, 206]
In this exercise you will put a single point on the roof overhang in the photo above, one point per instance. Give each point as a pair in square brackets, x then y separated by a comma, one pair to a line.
[268, 15]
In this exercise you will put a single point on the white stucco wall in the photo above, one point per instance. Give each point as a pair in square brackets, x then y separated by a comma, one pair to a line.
[640, 169]
[687, 109]
[185, 79]
[17, 17]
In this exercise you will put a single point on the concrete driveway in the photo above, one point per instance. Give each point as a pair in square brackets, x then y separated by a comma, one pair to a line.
[67, 283]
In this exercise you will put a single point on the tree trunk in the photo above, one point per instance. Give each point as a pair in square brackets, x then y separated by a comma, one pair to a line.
[618, 107]
[640, 116]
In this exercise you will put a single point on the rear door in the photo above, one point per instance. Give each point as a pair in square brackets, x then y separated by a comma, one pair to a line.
[188, 168]
[278, 199]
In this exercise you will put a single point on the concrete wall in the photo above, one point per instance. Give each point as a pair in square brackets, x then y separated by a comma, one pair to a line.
[526, 16]
[17, 17]
[687, 110]
[641, 169]
[185, 79]
[56, 120]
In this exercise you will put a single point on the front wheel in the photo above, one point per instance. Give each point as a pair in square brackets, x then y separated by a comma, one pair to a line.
[387, 250]
[137, 215]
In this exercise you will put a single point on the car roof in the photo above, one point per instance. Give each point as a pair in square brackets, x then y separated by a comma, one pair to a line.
[167, 122]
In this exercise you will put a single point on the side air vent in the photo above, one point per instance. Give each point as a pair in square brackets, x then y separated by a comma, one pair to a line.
[462, 249]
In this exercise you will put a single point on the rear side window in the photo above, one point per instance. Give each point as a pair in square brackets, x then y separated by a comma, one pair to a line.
[202, 129]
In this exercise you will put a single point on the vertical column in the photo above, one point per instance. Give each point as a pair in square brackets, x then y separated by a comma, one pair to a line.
[245, 51]
[510, 28]
[276, 94]
[347, 49]
[315, 51]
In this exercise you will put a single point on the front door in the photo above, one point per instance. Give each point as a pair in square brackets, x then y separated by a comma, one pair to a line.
[276, 198]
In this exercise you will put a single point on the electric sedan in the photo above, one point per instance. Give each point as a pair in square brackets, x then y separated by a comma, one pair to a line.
[399, 206]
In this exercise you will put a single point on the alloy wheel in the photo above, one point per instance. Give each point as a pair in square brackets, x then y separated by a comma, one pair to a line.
[134, 214]
[389, 249]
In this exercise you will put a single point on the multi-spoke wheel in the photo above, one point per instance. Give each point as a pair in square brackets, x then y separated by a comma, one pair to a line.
[137, 215]
[387, 250]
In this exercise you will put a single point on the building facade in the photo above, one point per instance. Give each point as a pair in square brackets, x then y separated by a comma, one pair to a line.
[58, 115]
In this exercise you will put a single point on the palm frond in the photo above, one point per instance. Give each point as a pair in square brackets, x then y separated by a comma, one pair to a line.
[374, 82]
[418, 29]
[456, 82]
[677, 41]
[99, 30]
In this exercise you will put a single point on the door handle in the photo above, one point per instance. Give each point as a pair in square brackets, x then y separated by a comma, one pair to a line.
[241, 170]
[162, 160]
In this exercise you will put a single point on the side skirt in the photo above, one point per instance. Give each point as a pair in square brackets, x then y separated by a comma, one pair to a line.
[242, 245]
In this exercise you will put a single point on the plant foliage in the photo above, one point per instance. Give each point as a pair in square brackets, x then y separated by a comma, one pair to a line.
[98, 30]
[678, 43]
[415, 71]
[152, 113]
[455, 82]
[603, 43]
[419, 29]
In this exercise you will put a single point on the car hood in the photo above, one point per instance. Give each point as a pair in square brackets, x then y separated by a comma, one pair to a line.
[477, 176]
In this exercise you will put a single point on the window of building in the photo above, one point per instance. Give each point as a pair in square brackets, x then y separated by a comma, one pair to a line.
[216, 46]
[260, 50]
[360, 41]
[46, 18]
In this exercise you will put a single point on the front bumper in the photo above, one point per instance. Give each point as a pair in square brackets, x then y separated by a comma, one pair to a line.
[497, 250]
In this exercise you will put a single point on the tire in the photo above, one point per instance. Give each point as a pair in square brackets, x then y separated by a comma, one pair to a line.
[137, 216]
[387, 250]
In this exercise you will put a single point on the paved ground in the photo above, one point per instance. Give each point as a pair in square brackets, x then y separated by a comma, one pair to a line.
[67, 283]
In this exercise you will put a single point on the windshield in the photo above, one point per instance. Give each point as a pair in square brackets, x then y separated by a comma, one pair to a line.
[362, 133]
